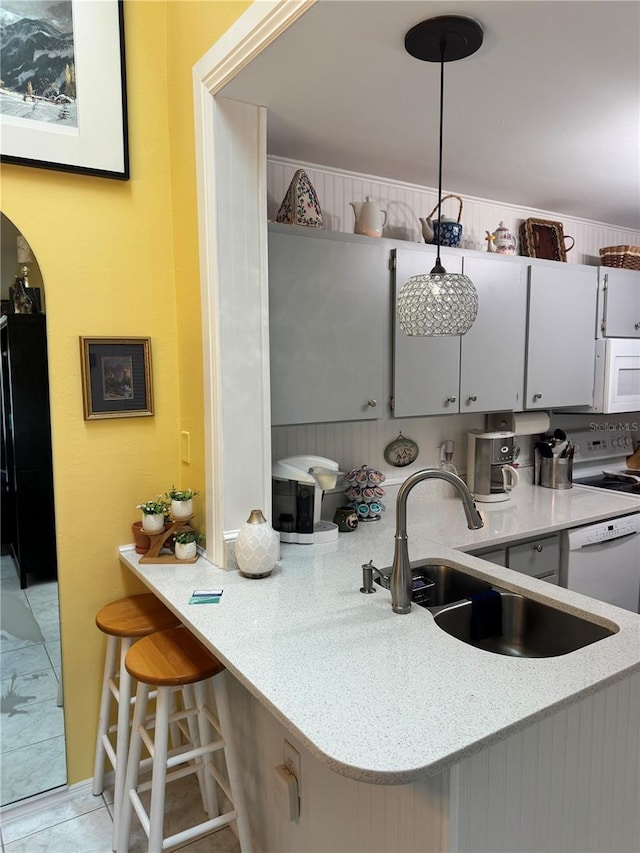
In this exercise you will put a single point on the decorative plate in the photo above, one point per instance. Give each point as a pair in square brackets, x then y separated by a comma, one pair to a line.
[401, 451]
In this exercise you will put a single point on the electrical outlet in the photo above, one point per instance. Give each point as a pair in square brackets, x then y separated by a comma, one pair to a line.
[291, 760]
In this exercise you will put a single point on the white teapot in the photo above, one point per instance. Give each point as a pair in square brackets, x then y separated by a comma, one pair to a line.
[504, 242]
[370, 220]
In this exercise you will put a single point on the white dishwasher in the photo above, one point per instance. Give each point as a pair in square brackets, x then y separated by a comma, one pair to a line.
[603, 560]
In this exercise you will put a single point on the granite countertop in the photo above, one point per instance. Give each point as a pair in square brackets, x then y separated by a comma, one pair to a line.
[385, 698]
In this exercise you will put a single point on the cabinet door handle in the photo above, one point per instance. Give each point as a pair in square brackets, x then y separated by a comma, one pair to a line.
[537, 396]
[537, 548]
[372, 403]
[450, 400]
[472, 399]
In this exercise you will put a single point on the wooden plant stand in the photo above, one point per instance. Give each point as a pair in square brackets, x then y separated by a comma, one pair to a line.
[159, 540]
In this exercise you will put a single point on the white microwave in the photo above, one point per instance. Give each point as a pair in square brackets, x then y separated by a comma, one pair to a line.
[617, 376]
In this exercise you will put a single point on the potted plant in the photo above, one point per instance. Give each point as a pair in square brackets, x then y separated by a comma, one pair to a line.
[186, 544]
[153, 512]
[181, 502]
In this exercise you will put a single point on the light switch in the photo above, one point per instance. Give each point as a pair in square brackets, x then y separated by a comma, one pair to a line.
[286, 789]
[185, 446]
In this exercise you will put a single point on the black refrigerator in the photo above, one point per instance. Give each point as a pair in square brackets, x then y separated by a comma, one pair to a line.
[28, 515]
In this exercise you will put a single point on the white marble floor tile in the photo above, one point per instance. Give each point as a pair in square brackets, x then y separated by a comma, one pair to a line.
[32, 723]
[30, 687]
[54, 653]
[42, 591]
[49, 626]
[33, 769]
[17, 824]
[33, 658]
[88, 833]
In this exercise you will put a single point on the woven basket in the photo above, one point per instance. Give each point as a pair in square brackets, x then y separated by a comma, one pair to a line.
[622, 257]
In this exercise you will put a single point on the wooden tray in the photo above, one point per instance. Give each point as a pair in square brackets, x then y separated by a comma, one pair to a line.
[542, 238]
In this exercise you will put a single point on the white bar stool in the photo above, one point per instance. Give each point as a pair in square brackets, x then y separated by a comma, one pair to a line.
[166, 660]
[123, 621]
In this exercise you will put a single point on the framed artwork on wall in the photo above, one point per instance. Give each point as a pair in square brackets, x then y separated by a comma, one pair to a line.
[116, 377]
[64, 107]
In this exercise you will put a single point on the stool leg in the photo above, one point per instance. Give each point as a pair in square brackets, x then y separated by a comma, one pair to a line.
[206, 734]
[233, 768]
[133, 768]
[195, 737]
[159, 772]
[103, 720]
[122, 735]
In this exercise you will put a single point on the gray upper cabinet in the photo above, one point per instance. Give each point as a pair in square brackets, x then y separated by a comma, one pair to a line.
[426, 371]
[481, 371]
[560, 335]
[619, 311]
[329, 328]
[492, 368]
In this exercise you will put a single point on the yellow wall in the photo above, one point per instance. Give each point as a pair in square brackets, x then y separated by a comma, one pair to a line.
[120, 258]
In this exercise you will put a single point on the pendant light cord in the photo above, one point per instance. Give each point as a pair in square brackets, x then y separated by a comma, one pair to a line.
[438, 267]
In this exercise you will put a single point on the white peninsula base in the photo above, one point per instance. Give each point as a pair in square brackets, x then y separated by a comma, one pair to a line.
[567, 784]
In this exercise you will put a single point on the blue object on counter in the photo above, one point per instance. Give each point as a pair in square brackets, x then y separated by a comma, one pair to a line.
[486, 615]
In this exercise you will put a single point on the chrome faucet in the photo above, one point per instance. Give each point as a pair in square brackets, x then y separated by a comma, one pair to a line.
[401, 579]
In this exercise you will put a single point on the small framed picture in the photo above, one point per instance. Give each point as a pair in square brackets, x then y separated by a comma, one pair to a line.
[116, 377]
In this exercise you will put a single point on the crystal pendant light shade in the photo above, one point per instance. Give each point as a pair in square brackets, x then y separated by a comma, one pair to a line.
[440, 303]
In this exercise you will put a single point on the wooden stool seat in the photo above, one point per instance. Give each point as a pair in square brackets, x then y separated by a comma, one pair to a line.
[135, 616]
[171, 658]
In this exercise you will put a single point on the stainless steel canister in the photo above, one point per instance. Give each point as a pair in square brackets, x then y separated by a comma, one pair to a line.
[555, 472]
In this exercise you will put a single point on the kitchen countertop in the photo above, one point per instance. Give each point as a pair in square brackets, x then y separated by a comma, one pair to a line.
[385, 698]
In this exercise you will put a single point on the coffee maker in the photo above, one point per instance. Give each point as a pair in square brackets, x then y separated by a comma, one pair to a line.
[298, 483]
[490, 474]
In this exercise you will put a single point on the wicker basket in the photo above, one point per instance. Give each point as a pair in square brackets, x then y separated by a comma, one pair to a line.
[622, 257]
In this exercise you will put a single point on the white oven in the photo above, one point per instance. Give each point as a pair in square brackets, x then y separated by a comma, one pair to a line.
[617, 375]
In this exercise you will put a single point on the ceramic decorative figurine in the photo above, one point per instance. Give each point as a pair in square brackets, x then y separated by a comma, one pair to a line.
[370, 220]
[300, 205]
[504, 241]
[490, 238]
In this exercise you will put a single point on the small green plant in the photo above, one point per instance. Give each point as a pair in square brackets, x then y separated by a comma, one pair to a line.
[186, 536]
[181, 494]
[159, 506]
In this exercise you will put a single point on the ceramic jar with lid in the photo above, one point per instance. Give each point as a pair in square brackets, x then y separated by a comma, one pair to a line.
[504, 242]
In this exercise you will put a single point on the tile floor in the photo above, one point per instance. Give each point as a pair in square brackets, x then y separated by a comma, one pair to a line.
[31, 721]
[32, 745]
[76, 821]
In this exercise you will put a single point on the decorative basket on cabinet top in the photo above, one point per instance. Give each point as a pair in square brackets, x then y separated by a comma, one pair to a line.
[622, 257]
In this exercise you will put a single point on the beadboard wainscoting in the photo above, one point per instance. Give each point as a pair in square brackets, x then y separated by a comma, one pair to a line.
[353, 444]
[405, 203]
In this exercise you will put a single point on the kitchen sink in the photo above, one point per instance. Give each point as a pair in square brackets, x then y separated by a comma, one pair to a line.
[529, 629]
[435, 584]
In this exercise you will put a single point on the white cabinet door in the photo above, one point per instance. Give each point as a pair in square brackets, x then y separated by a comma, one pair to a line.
[492, 365]
[620, 303]
[561, 335]
[328, 326]
[426, 371]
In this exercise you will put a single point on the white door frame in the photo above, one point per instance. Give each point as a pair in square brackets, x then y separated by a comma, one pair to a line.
[234, 479]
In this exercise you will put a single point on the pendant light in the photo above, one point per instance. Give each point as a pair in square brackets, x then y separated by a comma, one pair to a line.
[440, 303]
